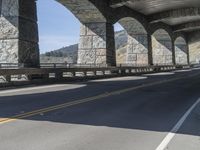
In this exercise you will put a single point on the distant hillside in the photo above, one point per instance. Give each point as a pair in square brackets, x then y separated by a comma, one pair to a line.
[70, 53]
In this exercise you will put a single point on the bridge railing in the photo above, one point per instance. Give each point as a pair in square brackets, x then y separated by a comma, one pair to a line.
[70, 65]
[15, 72]
[11, 65]
[51, 65]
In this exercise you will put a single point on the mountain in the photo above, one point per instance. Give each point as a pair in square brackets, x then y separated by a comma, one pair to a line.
[69, 54]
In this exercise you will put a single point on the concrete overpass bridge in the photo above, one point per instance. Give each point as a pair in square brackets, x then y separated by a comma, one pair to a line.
[159, 32]
[155, 111]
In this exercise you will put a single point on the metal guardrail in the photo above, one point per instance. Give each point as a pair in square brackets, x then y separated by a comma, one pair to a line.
[11, 65]
[10, 71]
[50, 65]
[64, 65]
[67, 65]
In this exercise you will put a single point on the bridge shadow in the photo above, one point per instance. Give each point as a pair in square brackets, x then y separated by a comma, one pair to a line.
[150, 109]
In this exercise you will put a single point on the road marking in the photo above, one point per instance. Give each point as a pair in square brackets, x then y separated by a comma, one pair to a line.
[85, 100]
[175, 129]
[81, 101]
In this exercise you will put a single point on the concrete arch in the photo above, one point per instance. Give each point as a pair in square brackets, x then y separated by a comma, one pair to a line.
[180, 34]
[137, 43]
[162, 47]
[84, 10]
[96, 44]
[124, 12]
[181, 51]
[152, 28]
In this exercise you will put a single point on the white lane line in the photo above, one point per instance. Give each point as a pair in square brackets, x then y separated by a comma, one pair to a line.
[32, 88]
[175, 129]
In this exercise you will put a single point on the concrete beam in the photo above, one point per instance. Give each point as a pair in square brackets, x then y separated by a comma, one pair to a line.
[182, 14]
[118, 3]
[191, 26]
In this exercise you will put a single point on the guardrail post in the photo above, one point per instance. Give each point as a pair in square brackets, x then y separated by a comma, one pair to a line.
[73, 74]
[7, 78]
[41, 76]
[54, 65]
[85, 73]
[59, 75]
[95, 73]
[122, 71]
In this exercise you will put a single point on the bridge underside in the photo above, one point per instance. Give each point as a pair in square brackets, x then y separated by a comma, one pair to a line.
[159, 32]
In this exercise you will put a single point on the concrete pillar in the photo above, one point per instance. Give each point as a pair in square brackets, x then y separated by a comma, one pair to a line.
[188, 55]
[137, 49]
[181, 51]
[19, 32]
[162, 48]
[150, 53]
[97, 44]
[194, 47]
[173, 53]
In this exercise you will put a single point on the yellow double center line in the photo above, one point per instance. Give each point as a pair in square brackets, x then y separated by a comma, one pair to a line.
[81, 101]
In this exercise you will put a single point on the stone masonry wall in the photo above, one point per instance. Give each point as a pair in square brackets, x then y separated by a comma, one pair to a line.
[194, 47]
[137, 45]
[137, 50]
[9, 31]
[19, 32]
[96, 43]
[161, 48]
[181, 51]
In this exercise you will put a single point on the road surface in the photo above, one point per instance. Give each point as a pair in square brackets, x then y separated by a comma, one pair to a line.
[127, 113]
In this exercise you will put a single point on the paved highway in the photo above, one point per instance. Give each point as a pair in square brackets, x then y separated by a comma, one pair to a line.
[149, 112]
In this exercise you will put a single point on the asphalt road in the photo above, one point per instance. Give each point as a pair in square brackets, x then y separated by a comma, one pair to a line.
[128, 113]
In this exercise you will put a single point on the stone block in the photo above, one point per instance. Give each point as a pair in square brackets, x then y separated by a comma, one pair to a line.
[83, 30]
[129, 49]
[28, 30]
[131, 57]
[8, 27]
[9, 51]
[28, 53]
[28, 9]
[96, 29]
[10, 8]
[99, 42]
[86, 42]
[101, 52]
[142, 59]
[101, 60]
[86, 56]
[168, 59]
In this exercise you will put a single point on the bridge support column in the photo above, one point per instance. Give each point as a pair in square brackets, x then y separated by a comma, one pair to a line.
[194, 44]
[181, 51]
[97, 45]
[162, 48]
[19, 32]
[173, 53]
[137, 49]
[188, 54]
[150, 53]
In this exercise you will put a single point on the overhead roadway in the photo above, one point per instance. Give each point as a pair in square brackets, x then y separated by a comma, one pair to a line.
[182, 15]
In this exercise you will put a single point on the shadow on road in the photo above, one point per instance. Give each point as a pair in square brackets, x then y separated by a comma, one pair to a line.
[155, 108]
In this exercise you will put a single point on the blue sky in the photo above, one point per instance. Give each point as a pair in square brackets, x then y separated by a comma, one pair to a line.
[58, 27]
